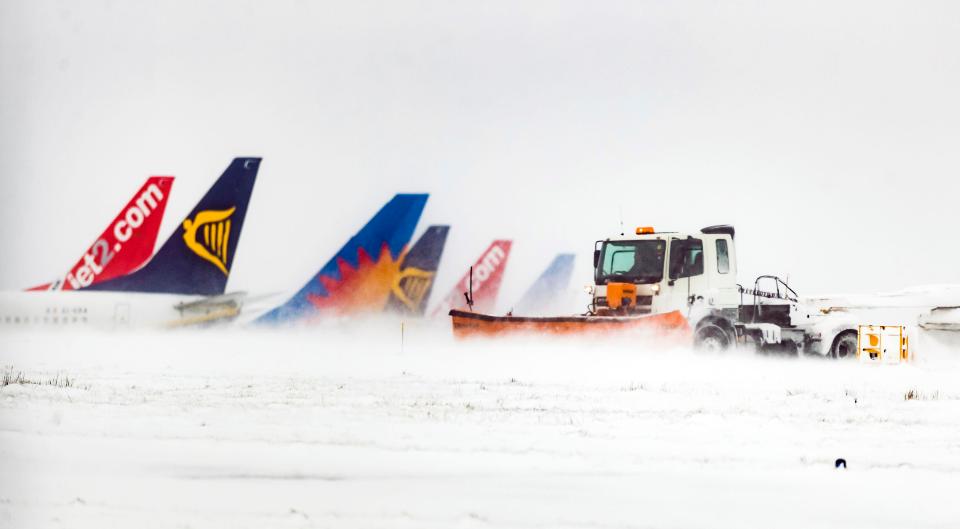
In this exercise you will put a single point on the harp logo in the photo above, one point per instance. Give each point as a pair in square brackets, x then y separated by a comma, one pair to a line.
[208, 236]
[410, 285]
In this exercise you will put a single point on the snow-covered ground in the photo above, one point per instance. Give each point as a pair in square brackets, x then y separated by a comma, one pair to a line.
[340, 428]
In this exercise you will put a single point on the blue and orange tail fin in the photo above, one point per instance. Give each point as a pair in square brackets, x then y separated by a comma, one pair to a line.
[196, 259]
[127, 242]
[549, 289]
[412, 286]
[359, 277]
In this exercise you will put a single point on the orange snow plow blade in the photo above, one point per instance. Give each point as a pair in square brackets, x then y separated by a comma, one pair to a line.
[471, 324]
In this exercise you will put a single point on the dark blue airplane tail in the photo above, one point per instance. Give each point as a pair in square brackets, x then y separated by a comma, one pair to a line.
[196, 259]
[411, 287]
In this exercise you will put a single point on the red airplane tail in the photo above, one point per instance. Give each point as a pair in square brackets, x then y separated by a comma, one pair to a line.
[126, 244]
[487, 275]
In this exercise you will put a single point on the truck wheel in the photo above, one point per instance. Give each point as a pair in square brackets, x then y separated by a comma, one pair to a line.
[844, 345]
[711, 337]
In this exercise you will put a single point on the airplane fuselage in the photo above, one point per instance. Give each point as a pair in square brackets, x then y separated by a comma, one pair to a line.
[94, 310]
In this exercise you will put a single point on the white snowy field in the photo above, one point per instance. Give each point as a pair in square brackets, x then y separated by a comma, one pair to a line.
[336, 428]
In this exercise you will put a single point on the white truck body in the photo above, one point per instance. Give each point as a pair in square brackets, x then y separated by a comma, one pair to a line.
[696, 273]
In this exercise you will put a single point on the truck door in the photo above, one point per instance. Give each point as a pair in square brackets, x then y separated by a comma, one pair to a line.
[721, 269]
[686, 275]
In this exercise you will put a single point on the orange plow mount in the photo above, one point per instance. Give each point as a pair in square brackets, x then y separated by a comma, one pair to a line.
[671, 325]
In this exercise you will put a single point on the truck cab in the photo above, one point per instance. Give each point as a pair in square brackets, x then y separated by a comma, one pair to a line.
[666, 271]
[696, 274]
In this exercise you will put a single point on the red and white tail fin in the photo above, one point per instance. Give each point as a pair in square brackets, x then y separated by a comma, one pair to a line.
[126, 244]
[487, 275]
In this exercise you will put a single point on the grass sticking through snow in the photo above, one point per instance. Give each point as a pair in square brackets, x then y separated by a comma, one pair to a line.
[914, 394]
[59, 380]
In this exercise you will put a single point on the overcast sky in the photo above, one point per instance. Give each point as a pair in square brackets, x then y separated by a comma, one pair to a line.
[827, 132]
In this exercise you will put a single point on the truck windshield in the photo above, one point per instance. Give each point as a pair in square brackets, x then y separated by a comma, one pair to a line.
[631, 262]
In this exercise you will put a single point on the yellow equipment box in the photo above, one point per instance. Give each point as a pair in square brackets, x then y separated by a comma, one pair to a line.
[883, 344]
[621, 295]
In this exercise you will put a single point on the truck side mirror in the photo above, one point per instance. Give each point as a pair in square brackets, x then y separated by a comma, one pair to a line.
[596, 258]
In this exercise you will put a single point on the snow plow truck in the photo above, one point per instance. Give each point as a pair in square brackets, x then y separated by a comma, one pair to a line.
[685, 285]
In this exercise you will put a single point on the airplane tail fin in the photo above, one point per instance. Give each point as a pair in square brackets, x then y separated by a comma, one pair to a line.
[487, 275]
[548, 289]
[359, 276]
[411, 287]
[196, 259]
[125, 244]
